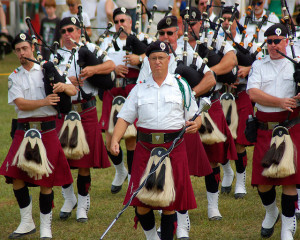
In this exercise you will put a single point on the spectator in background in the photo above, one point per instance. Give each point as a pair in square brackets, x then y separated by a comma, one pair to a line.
[3, 28]
[61, 6]
[49, 27]
[105, 9]
[90, 6]
[72, 12]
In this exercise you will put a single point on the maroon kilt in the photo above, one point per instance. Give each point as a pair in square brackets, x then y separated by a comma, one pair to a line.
[185, 198]
[198, 161]
[108, 97]
[97, 158]
[220, 152]
[244, 109]
[61, 174]
[263, 144]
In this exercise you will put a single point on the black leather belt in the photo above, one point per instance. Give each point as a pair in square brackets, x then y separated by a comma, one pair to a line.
[123, 82]
[79, 107]
[239, 88]
[41, 126]
[156, 138]
[216, 95]
[271, 125]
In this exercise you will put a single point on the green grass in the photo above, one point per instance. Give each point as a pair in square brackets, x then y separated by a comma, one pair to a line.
[241, 218]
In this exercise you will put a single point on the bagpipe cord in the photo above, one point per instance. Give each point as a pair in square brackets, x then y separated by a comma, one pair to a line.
[181, 87]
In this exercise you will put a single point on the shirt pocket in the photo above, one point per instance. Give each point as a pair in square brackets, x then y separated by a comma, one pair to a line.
[174, 102]
[146, 108]
[268, 81]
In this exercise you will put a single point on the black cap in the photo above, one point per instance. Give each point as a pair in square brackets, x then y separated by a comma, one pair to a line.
[69, 21]
[277, 29]
[195, 14]
[157, 46]
[228, 10]
[167, 22]
[120, 10]
[21, 37]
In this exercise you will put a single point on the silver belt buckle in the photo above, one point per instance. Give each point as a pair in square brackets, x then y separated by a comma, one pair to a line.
[158, 138]
[35, 125]
[272, 125]
[119, 82]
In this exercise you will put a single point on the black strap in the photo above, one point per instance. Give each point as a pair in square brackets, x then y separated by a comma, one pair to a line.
[287, 124]
[88, 104]
[42, 126]
[216, 95]
[148, 137]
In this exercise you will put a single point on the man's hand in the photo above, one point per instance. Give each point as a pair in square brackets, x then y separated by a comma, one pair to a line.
[51, 99]
[193, 127]
[75, 82]
[131, 59]
[243, 71]
[297, 96]
[288, 103]
[114, 148]
[87, 72]
[59, 87]
[121, 70]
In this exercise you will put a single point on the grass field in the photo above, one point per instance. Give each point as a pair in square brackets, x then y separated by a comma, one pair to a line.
[241, 218]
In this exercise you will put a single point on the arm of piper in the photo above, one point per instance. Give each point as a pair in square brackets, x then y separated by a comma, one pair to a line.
[205, 84]
[193, 126]
[262, 98]
[243, 71]
[30, 105]
[68, 89]
[228, 62]
[103, 68]
[118, 133]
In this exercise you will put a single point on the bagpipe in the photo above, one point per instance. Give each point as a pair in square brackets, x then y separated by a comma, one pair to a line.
[209, 52]
[150, 20]
[150, 178]
[170, 8]
[103, 36]
[51, 74]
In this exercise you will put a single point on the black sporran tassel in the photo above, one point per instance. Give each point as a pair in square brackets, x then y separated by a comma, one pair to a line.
[279, 153]
[74, 138]
[228, 115]
[208, 125]
[64, 137]
[32, 154]
[202, 129]
[115, 118]
[160, 181]
[151, 180]
[267, 159]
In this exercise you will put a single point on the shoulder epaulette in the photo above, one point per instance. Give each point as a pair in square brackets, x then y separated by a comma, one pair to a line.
[16, 70]
[142, 81]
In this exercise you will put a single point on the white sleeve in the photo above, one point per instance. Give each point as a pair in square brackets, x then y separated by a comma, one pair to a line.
[14, 89]
[254, 77]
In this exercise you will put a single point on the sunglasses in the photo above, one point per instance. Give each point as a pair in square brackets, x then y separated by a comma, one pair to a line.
[275, 41]
[257, 4]
[121, 21]
[71, 5]
[169, 33]
[70, 29]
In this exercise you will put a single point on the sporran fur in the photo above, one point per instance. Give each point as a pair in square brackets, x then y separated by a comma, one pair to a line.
[209, 132]
[31, 156]
[230, 111]
[72, 137]
[117, 105]
[162, 191]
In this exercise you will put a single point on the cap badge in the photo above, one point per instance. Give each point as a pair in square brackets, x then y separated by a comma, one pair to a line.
[73, 20]
[123, 10]
[168, 21]
[278, 31]
[23, 36]
[194, 14]
[162, 46]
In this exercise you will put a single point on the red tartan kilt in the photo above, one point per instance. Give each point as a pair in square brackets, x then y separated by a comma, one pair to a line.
[61, 173]
[108, 97]
[220, 152]
[244, 109]
[97, 158]
[263, 144]
[198, 161]
[185, 198]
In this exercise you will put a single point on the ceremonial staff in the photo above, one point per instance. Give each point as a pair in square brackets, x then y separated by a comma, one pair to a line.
[205, 104]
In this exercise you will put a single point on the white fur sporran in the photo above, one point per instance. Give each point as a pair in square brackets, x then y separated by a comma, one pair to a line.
[230, 112]
[158, 194]
[116, 107]
[31, 156]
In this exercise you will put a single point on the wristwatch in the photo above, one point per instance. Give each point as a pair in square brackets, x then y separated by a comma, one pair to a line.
[194, 93]
[140, 59]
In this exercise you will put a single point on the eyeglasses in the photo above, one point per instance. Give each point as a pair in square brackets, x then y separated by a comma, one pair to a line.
[275, 41]
[70, 29]
[228, 19]
[71, 5]
[121, 21]
[160, 58]
[169, 33]
[257, 4]
[203, 4]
